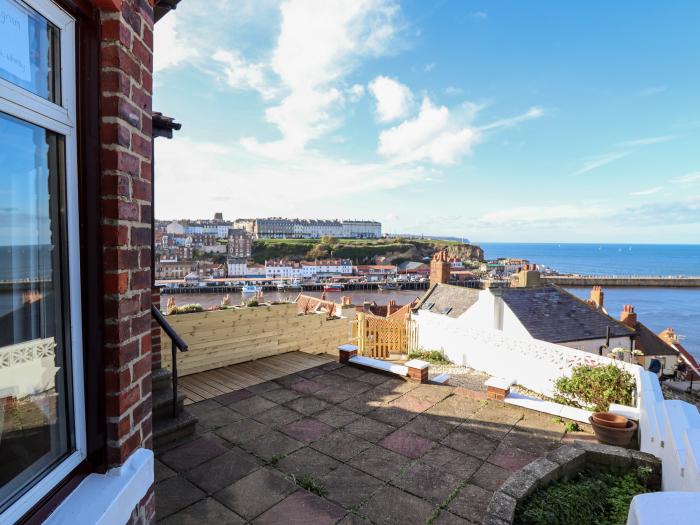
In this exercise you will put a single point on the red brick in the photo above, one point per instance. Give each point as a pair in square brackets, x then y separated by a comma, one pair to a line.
[120, 259]
[116, 185]
[117, 455]
[148, 37]
[141, 280]
[141, 146]
[114, 235]
[117, 209]
[140, 237]
[115, 81]
[114, 133]
[142, 53]
[122, 355]
[120, 160]
[115, 56]
[146, 171]
[145, 257]
[145, 213]
[141, 325]
[116, 380]
[146, 345]
[116, 30]
[115, 283]
[141, 367]
[119, 428]
[120, 307]
[116, 332]
[143, 409]
[119, 402]
[146, 124]
[132, 18]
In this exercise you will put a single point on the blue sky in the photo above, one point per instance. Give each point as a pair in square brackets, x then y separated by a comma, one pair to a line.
[499, 121]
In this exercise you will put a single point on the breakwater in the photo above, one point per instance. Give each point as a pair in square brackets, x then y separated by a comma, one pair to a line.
[629, 281]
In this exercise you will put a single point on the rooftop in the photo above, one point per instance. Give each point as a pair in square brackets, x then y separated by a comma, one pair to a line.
[376, 448]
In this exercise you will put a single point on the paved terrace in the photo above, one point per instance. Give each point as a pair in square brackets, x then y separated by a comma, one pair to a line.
[383, 450]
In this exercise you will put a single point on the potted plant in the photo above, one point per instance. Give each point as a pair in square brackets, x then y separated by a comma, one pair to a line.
[596, 388]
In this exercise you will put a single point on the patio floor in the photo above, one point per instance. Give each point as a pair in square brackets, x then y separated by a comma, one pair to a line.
[374, 448]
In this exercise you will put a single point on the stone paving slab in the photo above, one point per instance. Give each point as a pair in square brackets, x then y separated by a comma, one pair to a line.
[175, 494]
[308, 461]
[307, 430]
[350, 487]
[254, 494]
[471, 503]
[386, 450]
[221, 471]
[407, 444]
[193, 453]
[205, 511]
[302, 508]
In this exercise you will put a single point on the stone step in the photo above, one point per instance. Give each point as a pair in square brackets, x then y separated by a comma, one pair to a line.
[161, 378]
[163, 403]
[169, 430]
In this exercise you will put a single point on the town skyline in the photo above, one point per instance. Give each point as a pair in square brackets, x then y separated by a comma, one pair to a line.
[499, 123]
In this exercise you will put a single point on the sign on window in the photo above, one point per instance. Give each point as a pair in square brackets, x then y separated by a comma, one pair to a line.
[14, 41]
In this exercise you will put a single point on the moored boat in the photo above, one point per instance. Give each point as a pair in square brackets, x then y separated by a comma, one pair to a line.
[333, 287]
[390, 286]
[251, 288]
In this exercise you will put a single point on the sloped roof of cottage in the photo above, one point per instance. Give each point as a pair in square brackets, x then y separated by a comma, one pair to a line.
[448, 300]
[552, 314]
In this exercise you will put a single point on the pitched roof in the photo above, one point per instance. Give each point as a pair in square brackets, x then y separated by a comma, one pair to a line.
[650, 343]
[552, 314]
[448, 300]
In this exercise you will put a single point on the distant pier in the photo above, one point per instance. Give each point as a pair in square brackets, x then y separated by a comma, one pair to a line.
[306, 287]
[628, 281]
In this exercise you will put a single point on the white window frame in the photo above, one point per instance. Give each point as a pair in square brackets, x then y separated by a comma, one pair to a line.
[61, 119]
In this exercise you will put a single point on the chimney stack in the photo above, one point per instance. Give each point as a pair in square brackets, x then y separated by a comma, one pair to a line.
[628, 316]
[439, 268]
[597, 297]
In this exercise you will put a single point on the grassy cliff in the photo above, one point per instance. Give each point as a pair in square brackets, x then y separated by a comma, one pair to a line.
[361, 251]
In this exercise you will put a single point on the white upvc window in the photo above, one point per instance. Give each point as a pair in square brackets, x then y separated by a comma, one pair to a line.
[42, 416]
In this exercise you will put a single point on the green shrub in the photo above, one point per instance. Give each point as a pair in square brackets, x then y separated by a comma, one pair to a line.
[589, 499]
[308, 482]
[431, 356]
[595, 387]
[253, 302]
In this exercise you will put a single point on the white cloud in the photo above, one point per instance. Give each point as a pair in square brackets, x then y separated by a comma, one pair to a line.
[651, 91]
[688, 178]
[650, 191]
[169, 50]
[453, 90]
[600, 161]
[432, 135]
[394, 99]
[429, 67]
[319, 43]
[355, 92]
[532, 113]
[647, 141]
[242, 75]
[270, 187]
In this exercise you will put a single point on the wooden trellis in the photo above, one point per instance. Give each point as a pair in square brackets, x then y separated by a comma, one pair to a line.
[379, 337]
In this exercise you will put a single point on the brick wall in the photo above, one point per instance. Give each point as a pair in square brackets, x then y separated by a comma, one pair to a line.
[125, 158]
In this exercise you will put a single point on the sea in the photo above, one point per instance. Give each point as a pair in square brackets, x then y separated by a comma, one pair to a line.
[658, 308]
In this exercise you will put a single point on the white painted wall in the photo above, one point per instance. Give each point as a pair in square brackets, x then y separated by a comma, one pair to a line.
[592, 345]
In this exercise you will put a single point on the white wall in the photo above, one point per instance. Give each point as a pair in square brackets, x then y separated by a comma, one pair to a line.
[593, 345]
[530, 362]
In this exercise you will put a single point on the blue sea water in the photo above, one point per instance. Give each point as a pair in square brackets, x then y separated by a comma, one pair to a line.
[658, 308]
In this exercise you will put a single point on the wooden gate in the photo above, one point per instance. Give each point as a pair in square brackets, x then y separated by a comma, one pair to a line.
[379, 337]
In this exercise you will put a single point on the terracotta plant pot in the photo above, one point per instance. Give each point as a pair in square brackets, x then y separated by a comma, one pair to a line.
[620, 437]
[606, 419]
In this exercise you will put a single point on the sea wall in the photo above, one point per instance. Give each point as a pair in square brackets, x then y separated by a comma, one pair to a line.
[631, 281]
[224, 337]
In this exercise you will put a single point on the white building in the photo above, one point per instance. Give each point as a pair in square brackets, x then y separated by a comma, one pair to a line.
[237, 267]
[284, 269]
[175, 228]
[281, 228]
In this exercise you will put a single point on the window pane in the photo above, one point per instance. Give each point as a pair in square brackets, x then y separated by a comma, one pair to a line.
[34, 350]
[29, 50]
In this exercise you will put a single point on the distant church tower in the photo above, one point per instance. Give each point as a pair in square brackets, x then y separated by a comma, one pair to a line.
[439, 268]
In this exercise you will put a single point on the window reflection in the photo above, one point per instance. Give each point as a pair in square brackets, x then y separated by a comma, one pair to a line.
[34, 410]
[29, 50]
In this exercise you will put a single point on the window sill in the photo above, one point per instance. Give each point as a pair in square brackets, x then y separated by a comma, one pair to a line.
[108, 499]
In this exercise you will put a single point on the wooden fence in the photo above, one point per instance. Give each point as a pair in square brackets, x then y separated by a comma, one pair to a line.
[381, 336]
[224, 337]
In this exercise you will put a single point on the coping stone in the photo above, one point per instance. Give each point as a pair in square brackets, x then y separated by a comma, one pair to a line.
[502, 506]
[417, 363]
[520, 485]
[544, 470]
